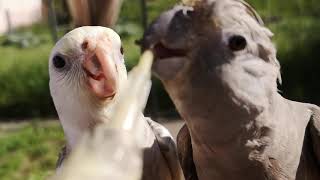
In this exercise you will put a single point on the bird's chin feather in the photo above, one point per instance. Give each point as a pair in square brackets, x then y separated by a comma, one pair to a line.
[81, 116]
[168, 68]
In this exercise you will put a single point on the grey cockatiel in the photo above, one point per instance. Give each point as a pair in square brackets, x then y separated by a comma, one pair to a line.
[86, 71]
[219, 66]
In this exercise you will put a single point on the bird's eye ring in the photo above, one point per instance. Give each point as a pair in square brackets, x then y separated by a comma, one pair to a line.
[237, 43]
[59, 62]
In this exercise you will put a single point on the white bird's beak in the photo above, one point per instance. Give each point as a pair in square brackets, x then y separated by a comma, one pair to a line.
[101, 69]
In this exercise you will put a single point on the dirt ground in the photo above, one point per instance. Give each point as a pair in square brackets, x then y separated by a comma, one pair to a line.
[174, 127]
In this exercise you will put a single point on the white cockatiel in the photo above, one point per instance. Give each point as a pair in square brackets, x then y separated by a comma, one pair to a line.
[86, 70]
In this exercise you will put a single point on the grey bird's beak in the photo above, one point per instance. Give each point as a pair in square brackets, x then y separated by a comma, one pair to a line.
[158, 29]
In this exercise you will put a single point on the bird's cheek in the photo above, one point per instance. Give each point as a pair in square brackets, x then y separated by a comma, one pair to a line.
[167, 69]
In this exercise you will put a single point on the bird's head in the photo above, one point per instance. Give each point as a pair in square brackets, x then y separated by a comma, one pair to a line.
[86, 69]
[212, 44]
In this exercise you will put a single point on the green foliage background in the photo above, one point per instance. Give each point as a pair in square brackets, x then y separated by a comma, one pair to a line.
[296, 25]
[24, 78]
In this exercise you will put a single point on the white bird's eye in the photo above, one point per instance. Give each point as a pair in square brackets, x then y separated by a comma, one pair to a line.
[59, 62]
[237, 43]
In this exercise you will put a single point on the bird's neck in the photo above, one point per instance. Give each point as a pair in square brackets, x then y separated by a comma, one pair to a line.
[77, 123]
[75, 126]
[218, 114]
[222, 121]
[222, 101]
[225, 132]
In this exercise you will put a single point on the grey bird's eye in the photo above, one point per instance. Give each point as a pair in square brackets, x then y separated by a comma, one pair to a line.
[59, 62]
[237, 43]
[121, 50]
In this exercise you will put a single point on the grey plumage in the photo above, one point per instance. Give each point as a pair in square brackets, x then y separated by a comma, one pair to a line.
[219, 66]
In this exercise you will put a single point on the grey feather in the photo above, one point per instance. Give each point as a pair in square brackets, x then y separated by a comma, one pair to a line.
[167, 147]
[185, 154]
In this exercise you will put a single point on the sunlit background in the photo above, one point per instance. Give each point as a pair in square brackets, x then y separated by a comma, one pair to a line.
[30, 136]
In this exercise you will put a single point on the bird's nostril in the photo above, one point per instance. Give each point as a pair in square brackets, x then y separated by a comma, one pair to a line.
[181, 13]
[93, 68]
[85, 45]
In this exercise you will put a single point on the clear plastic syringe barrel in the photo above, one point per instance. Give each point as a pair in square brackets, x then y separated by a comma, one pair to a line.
[108, 155]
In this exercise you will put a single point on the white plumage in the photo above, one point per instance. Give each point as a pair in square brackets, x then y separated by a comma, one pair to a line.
[86, 71]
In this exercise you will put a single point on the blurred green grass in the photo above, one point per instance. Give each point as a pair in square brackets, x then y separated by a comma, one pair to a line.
[24, 77]
[30, 152]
